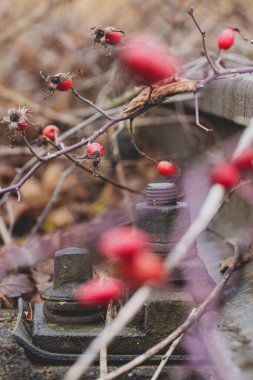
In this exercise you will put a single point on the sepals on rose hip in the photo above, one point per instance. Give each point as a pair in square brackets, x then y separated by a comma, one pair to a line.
[122, 243]
[108, 35]
[60, 82]
[167, 169]
[51, 132]
[225, 174]
[149, 61]
[99, 291]
[226, 39]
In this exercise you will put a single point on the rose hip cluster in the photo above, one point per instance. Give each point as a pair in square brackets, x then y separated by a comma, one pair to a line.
[130, 253]
[228, 174]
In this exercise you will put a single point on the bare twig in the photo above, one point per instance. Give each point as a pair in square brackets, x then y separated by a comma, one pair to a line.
[4, 233]
[167, 356]
[31, 148]
[52, 200]
[103, 177]
[103, 352]
[203, 34]
[97, 108]
[196, 104]
[136, 146]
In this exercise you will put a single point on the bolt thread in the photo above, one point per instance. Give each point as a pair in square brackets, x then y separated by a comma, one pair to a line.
[161, 194]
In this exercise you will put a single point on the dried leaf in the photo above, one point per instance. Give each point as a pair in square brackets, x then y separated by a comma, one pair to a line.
[161, 91]
[15, 285]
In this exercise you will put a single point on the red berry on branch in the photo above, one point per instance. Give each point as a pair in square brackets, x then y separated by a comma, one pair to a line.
[23, 124]
[245, 160]
[143, 268]
[226, 39]
[99, 291]
[64, 86]
[51, 132]
[95, 148]
[226, 175]
[149, 61]
[166, 168]
[113, 38]
[123, 243]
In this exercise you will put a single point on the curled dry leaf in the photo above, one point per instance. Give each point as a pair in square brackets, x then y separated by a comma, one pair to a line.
[161, 90]
[15, 285]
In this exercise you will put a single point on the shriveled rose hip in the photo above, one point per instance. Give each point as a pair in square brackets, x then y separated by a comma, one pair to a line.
[245, 160]
[23, 124]
[51, 132]
[166, 168]
[149, 61]
[143, 268]
[99, 291]
[123, 243]
[225, 174]
[226, 39]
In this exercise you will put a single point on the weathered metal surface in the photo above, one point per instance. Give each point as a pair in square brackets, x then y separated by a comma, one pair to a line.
[163, 218]
[229, 97]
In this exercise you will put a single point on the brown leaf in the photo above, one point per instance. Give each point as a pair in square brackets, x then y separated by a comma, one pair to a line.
[15, 285]
[161, 90]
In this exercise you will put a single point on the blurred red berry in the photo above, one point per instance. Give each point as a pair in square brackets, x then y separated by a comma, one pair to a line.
[226, 39]
[64, 86]
[245, 160]
[113, 38]
[23, 124]
[149, 61]
[95, 148]
[166, 168]
[99, 291]
[225, 174]
[51, 132]
[143, 268]
[123, 243]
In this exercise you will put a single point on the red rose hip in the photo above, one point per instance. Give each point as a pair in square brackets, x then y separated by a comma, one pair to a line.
[166, 168]
[149, 61]
[95, 148]
[99, 291]
[113, 38]
[226, 39]
[226, 175]
[143, 268]
[245, 160]
[51, 132]
[123, 243]
[64, 86]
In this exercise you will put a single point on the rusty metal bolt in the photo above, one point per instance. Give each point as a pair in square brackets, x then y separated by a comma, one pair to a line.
[162, 217]
[72, 267]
